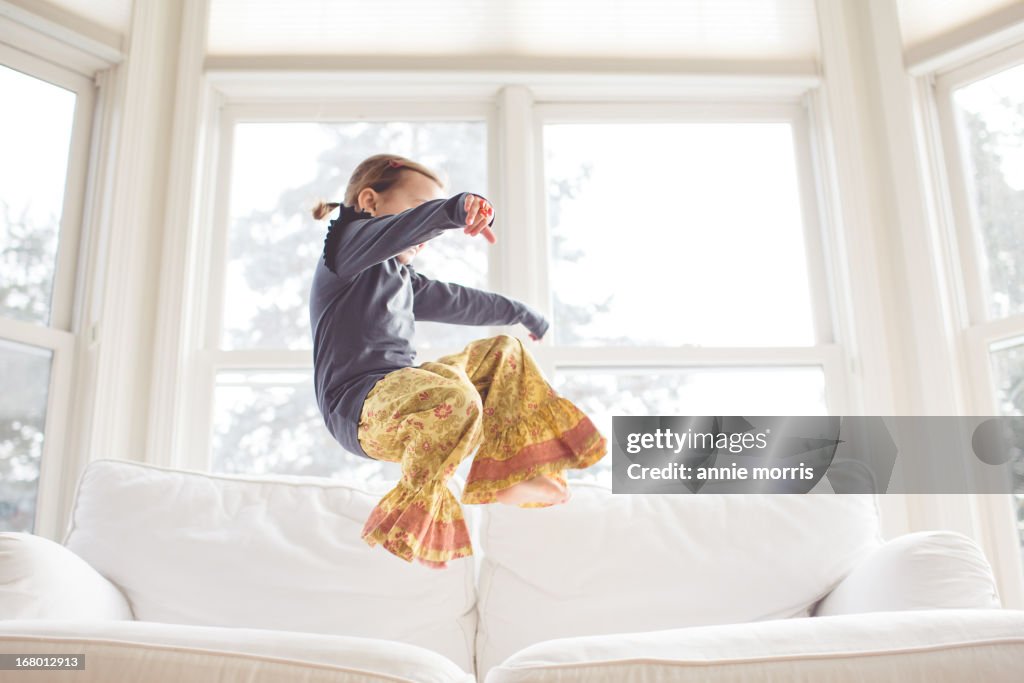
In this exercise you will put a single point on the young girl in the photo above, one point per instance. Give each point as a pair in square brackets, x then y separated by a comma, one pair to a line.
[490, 398]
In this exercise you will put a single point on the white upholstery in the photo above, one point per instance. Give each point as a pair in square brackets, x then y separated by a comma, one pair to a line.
[40, 578]
[607, 563]
[282, 553]
[921, 570]
[924, 646]
[137, 652]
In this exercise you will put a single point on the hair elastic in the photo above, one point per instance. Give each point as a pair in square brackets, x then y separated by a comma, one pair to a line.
[394, 163]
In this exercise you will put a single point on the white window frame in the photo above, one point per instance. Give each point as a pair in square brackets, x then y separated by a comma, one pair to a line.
[826, 353]
[980, 331]
[515, 114]
[993, 516]
[59, 336]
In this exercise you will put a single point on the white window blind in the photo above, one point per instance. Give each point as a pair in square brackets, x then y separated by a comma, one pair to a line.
[784, 29]
[921, 20]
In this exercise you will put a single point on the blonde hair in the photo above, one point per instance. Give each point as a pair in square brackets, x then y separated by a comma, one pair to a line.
[379, 172]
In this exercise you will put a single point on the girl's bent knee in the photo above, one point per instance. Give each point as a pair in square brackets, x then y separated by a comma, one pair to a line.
[464, 396]
[507, 339]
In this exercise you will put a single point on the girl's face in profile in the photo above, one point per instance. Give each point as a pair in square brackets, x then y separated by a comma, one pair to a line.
[412, 190]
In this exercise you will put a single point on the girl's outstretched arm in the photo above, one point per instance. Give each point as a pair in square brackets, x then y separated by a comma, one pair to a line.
[448, 302]
[354, 245]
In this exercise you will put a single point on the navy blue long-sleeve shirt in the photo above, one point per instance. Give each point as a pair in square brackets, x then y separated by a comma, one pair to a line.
[363, 304]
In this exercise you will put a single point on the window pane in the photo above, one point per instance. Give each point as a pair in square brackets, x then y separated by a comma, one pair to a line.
[990, 116]
[267, 422]
[280, 170]
[677, 233]
[602, 392]
[1007, 358]
[35, 135]
[26, 373]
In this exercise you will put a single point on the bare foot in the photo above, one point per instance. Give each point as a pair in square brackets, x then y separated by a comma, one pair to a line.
[431, 563]
[540, 489]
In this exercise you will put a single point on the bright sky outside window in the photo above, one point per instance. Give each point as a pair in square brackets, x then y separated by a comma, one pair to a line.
[668, 234]
[990, 117]
[35, 136]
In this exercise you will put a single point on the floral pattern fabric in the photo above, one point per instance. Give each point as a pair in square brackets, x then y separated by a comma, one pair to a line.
[489, 399]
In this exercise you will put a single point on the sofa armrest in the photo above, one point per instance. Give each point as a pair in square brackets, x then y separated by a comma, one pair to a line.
[921, 570]
[41, 579]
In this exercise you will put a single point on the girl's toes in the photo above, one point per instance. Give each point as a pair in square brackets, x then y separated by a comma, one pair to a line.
[431, 563]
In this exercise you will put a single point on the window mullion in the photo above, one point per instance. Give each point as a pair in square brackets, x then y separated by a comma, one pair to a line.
[822, 289]
[523, 263]
[214, 302]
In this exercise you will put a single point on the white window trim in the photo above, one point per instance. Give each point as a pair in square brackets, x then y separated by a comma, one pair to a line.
[59, 36]
[60, 335]
[991, 517]
[514, 117]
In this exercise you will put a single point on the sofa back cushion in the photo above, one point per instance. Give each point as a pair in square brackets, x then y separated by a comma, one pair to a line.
[279, 552]
[608, 563]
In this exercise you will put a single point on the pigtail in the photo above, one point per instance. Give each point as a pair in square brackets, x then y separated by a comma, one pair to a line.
[321, 209]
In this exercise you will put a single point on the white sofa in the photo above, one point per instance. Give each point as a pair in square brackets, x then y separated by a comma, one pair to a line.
[168, 575]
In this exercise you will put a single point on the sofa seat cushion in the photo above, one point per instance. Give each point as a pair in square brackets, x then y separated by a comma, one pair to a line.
[608, 563]
[129, 652]
[276, 552]
[918, 646]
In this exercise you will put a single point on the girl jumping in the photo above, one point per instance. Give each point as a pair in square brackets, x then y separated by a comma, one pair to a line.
[490, 398]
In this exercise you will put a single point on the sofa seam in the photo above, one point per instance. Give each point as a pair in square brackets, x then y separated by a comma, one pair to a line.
[1018, 640]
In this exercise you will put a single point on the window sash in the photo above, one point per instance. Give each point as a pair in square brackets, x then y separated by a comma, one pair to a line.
[996, 514]
[60, 336]
[291, 112]
[979, 330]
[62, 302]
[785, 111]
[965, 228]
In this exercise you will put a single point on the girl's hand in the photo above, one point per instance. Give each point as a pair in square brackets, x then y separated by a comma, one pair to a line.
[534, 337]
[478, 214]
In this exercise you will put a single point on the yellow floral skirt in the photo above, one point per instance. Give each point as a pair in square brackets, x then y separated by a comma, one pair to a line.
[490, 398]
